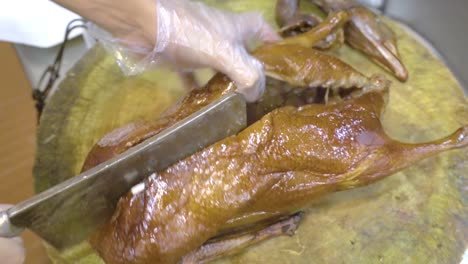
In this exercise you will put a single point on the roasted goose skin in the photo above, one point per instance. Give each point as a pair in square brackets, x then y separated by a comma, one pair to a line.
[365, 31]
[274, 167]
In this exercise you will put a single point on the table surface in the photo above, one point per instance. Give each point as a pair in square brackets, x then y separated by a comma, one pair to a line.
[18, 142]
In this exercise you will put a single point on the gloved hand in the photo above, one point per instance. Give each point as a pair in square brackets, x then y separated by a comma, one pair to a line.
[11, 249]
[190, 35]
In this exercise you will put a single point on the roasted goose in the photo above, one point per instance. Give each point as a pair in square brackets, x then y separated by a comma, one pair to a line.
[271, 169]
[249, 187]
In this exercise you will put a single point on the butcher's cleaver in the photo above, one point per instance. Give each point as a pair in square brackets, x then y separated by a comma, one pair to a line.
[83, 203]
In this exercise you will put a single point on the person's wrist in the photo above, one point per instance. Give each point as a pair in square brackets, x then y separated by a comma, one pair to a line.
[133, 22]
[147, 22]
[139, 25]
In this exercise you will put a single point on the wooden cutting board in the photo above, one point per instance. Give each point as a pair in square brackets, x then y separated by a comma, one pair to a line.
[418, 215]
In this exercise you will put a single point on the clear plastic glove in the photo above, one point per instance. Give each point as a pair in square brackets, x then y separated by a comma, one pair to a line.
[190, 35]
[11, 249]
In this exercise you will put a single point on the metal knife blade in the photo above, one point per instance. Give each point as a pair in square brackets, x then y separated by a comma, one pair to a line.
[67, 213]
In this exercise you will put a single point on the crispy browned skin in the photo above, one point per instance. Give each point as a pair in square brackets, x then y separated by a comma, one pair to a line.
[275, 166]
[294, 61]
[309, 68]
[368, 33]
[365, 30]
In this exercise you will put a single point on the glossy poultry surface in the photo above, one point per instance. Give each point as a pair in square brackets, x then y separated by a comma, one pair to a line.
[365, 31]
[294, 61]
[274, 167]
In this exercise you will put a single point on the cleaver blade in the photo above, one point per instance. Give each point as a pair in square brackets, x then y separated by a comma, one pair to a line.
[69, 212]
